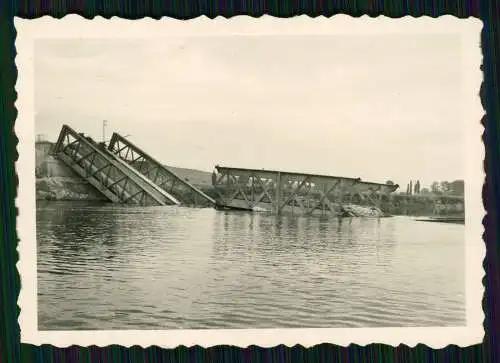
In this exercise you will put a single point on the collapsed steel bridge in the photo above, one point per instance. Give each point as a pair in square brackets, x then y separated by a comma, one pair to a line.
[124, 173]
[115, 179]
[296, 193]
[160, 175]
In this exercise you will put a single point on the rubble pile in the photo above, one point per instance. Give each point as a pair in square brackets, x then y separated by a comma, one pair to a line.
[353, 210]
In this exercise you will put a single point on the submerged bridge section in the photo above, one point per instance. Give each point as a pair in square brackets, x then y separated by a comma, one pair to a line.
[161, 176]
[108, 174]
[296, 193]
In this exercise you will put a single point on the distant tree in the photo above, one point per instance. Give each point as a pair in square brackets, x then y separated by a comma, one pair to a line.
[410, 187]
[389, 182]
[417, 187]
[445, 187]
[436, 187]
[457, 187]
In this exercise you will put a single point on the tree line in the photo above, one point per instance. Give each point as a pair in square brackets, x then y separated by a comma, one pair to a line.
[455, 187]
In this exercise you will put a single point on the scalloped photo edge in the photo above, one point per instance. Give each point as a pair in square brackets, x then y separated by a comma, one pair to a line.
[76, 27]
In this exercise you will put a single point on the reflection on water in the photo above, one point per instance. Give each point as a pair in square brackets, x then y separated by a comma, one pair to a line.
[114, 267]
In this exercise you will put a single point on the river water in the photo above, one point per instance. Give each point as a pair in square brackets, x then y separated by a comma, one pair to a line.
[115, 267]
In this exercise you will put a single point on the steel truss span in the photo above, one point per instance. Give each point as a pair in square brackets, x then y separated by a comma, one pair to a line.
[110, 176]
[296, 193]
[161, 176]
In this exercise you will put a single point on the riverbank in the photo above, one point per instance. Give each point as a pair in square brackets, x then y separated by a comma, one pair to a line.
[55, 181]
[424, 205]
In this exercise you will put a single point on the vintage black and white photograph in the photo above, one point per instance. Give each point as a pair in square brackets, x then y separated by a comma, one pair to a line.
[255, 180]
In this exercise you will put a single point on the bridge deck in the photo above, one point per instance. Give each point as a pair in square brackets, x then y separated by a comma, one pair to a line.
[109, 175]
[298, 193]
[160, 175]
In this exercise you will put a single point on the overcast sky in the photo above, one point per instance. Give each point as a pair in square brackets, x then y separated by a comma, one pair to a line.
[375, 107]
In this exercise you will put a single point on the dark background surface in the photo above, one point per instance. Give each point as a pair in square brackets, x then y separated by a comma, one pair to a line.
[10, 348]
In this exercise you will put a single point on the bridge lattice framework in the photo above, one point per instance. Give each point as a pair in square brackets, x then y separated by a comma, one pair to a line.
[298, 193]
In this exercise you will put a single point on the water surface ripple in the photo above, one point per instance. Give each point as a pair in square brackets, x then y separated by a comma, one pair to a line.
[113, 267]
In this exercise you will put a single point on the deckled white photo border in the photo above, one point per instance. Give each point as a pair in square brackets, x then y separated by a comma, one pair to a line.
[73, 26]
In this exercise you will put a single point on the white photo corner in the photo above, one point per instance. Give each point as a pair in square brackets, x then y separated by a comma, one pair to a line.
[250, 181]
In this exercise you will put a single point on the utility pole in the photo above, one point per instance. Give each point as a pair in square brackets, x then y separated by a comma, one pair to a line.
[104, 124]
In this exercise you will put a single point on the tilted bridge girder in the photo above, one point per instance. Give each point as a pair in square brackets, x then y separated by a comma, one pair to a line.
[296, 193]
[160, 175]
[116, 180]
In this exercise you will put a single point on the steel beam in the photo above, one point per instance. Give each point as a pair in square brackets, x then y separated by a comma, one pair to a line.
[113, 178]
[160, 175]
[298, 193]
